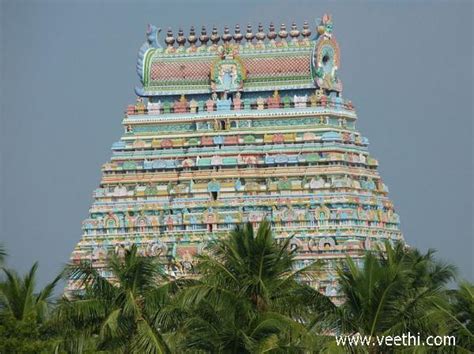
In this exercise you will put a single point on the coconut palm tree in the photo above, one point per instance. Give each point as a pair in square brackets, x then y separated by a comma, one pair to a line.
[24, 313]
[3, 254]
[396, 291]
[250, 297]
[18, 298]
[118, 314]
[461, 316]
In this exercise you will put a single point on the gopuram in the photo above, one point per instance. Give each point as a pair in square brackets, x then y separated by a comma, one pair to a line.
[238, 127]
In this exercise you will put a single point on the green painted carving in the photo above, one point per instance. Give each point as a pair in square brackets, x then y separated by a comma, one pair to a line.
[193, 141]
[129, 165]
[286, 102]
[284, 185]
[151, 190]
[312, 157]
[249, 139]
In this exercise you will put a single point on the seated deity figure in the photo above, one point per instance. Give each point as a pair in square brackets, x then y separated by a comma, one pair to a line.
[237, 102]
[224, 103]
[193, 106]
[355, 184]
[120, 190]
[210, 104]
[238, 185]
[216, 160]
[139, 105]
[337, 182]
[316, 183]
[370, 184]
[99, 252]
[344, 181]
[300, 101]
[154, 107]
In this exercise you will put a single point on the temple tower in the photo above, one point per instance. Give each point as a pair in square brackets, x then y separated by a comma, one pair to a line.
[231, 127]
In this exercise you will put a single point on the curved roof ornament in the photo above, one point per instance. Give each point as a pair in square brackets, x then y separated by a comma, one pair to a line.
[152, 33]
[324, 26]
[325, 59]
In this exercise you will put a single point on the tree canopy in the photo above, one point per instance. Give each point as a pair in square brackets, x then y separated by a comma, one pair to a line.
[247, 296]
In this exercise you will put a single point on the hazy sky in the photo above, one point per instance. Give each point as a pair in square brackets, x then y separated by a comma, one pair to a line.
[68, 71]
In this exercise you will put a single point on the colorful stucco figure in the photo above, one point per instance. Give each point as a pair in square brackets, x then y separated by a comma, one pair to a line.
[239, 128]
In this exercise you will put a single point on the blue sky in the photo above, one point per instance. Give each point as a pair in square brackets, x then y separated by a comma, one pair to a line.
[68, 72]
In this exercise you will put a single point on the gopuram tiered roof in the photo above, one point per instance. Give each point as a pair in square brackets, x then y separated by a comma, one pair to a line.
[240, 127]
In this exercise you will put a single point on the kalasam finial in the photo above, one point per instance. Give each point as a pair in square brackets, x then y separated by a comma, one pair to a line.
[249, 36]
[181, 39]
[294, 33]
[203, 38]
[237, 35]
[283, 32]
[260, 34]
[215, 36]
[169, 40]
[306, 31]
[192, 38]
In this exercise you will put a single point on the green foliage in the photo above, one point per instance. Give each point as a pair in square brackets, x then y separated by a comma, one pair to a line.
[461, 315]
[396, 291]
[248, 298]
[18, 299]
[25, 336]
[118, 314]
[24, 314]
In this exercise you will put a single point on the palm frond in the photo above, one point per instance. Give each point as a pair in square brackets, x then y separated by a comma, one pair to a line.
[148, 340]
[3, 254]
